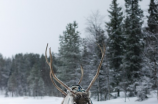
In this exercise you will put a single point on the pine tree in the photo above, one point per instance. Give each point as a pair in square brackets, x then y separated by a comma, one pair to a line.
[33, 79]
[5, 67]
[153, 17]
[69, 55]
[41, 87]
[151, 39]
[12, 84]
[133, 44]
[48, 86]
[115, 43]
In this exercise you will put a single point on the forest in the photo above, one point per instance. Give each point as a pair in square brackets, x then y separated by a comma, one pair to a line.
[130, 64]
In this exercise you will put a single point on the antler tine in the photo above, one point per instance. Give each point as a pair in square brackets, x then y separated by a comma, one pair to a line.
[54, 76]
[81, 75]
[52, 72]
[100, 48]
[95, 77]
[63, 92]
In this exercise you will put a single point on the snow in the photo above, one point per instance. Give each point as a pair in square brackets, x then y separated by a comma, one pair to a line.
[30, 100]
[57, 100]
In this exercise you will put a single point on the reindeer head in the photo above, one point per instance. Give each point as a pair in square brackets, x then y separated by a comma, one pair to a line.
[81, 98]
[73, 96]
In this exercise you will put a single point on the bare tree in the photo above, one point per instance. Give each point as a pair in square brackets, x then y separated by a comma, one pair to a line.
[96, 31]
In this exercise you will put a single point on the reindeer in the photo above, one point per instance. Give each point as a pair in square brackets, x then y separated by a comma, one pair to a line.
[72, 95]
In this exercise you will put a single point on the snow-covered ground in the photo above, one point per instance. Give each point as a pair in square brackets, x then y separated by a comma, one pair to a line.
[56, 100]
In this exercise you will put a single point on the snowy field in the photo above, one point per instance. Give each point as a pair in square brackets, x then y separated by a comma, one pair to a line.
[56, 100]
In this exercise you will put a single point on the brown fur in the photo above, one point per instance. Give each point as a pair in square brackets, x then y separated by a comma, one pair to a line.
[81, 98]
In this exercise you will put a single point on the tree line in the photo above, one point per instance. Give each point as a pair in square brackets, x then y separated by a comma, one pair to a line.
[130, 64]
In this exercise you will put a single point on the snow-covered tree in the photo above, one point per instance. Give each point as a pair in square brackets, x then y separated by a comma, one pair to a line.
[5, 68]
[12, 84]
[69, 55]
[115, 43]
[151, 44]
[33, 80]
[153, 17]
[41, 88]
[133, 44]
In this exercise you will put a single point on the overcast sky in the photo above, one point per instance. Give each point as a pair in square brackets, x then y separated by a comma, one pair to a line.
[26, 26]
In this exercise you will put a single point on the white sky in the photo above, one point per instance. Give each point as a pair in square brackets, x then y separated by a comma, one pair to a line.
[26, 26]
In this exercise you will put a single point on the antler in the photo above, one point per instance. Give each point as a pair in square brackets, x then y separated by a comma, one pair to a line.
[95, 77]
[63, 92]
[50, 74]
[53, 74]
[81, 75]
